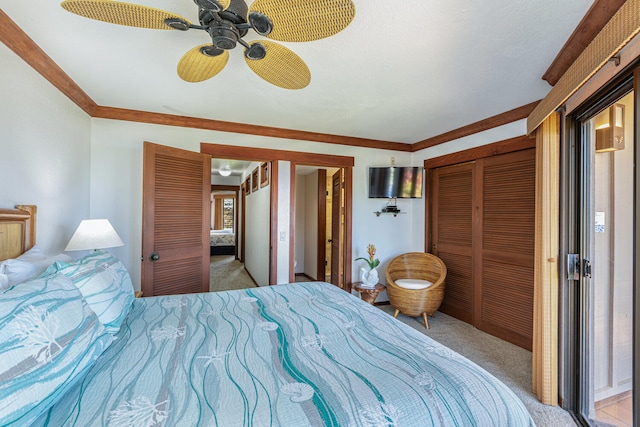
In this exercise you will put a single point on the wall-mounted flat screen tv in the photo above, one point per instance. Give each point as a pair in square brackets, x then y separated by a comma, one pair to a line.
[395, 182]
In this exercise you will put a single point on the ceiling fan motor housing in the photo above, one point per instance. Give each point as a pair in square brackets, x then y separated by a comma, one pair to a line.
[224, 35]
[222, 25]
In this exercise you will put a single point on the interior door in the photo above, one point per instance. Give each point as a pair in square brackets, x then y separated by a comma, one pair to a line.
[175, 223]
[452, 207]
[336, 229]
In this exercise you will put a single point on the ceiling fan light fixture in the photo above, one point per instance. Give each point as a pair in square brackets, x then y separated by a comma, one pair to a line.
[260, 23]
[210, 50]
[209, 5]
[256, 51]
[177, 24]
[225, 170]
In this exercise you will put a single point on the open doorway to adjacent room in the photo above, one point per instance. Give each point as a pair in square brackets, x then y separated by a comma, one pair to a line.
[227, 269]
[319, 224]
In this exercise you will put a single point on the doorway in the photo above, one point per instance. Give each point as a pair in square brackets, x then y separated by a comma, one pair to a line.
[281, 224]
[319, 225]
[606, 238]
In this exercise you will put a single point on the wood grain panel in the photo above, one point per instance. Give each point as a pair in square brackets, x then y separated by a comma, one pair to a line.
[452, 193]
[458, 296]
[178, 277]
[11, 237]
[455, 212]
[508, 205]
[178, 220]
[507, 302]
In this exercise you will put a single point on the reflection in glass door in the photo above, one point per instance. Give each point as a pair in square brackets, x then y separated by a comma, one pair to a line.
[607, 296]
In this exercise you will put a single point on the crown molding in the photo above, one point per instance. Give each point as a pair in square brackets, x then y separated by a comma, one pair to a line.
[479, 126]
[600, 12]
[23, 46]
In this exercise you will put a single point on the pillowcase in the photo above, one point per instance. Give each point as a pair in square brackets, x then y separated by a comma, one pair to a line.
[33, 254]
[49, 338]
[27, 266]
[105, 284]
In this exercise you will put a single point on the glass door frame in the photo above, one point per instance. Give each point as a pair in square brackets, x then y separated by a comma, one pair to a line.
[575, 198]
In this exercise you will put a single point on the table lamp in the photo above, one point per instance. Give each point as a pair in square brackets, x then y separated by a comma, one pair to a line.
[94, 234]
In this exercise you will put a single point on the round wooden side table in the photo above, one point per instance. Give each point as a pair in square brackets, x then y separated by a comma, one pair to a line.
[366, 293]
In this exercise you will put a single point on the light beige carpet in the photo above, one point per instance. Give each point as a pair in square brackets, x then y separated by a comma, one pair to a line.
[227, 273]
[509, 363]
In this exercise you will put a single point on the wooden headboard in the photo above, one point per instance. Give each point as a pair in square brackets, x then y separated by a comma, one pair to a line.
[17, 230]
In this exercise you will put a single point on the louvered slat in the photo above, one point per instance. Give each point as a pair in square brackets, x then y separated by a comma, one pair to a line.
[178, 220]
[507, 247]
[179, 277]
[508, 207]
[453, 223]
[455, 213]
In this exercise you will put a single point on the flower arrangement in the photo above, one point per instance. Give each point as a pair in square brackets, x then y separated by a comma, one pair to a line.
[372, 260]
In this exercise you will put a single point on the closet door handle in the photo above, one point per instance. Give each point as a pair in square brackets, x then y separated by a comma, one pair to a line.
[154, 257]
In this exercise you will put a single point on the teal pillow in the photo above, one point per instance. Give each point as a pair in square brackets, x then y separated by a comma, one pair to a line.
[49, 337]
[104, 283]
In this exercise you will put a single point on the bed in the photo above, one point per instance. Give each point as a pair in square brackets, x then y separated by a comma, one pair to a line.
[223, 242]
[303, 354]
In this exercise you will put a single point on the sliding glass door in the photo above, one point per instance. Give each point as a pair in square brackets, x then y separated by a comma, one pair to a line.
[605, 281]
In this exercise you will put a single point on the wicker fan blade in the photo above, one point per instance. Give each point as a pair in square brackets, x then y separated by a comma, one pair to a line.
[196, 66]
[116, 12]
[280, 66]
[305, 20]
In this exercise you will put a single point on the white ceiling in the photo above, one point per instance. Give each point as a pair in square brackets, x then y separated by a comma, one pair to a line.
[402, 71]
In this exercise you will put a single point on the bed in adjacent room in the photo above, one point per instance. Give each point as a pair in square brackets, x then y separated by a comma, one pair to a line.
[223, 242]
[304, 354]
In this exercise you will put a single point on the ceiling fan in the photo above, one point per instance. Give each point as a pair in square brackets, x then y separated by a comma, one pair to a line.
[227, 22]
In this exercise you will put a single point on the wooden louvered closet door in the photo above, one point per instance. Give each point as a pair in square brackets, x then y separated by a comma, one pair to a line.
[483, 229]
[452, 238]
[176, 211]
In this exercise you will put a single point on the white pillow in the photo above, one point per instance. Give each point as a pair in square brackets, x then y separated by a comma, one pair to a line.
[31, 266]
[413, 283]
[33, 254]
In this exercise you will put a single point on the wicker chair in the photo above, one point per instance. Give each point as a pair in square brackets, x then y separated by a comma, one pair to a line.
[416, 266]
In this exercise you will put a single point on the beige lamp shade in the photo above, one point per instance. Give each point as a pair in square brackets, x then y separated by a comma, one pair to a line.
[94, 234]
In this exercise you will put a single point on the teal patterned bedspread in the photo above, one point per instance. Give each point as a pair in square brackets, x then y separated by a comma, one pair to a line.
[304, 354]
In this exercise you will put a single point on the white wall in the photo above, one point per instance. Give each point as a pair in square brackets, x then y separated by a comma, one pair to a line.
[256, 260]
[284, 220]
[44, 152]
[301, 220]
[217, 179]
[311, 227]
